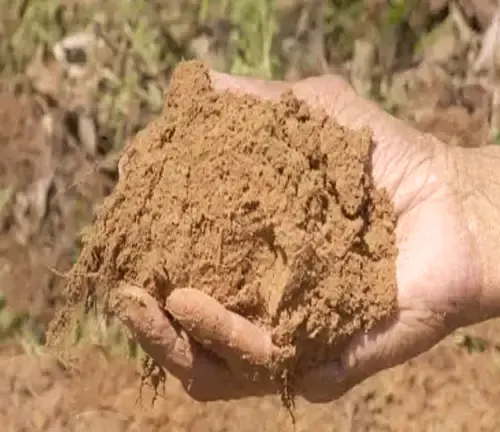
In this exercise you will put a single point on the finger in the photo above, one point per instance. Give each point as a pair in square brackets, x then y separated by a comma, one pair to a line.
[394, 342]
[325, 384]
[167, 346]
[363, 357]
[388, 345]
[239, 342]
[269, 90]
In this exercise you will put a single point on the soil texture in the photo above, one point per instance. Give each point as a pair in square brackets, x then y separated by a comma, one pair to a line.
[267, 206]
[445, 389]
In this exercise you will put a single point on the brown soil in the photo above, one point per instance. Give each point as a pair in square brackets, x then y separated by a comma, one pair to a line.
[268, 207]
[445, 389]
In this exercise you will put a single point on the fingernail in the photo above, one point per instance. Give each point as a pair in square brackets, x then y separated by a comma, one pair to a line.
[122, 296]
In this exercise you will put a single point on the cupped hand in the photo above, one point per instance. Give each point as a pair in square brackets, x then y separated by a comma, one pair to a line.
[438, 273]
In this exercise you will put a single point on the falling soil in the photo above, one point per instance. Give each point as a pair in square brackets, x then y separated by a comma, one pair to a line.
[269, 207]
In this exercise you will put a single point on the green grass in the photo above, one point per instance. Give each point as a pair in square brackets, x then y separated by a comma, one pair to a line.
[93, 329]
[25, 28]
[257, 29]
[143, 41]
[96, 328]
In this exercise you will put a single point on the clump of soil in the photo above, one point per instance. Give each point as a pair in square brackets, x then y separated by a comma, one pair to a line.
[269, 207]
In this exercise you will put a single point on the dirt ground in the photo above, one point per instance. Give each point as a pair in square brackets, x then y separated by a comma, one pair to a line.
[446, 389]
[53, 177]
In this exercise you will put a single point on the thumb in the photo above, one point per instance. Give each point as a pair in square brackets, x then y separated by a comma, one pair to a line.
[385, 346]
[363, 356]
[389, 344]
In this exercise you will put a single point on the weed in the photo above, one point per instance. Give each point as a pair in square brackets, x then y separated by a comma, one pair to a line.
[257, 24]
[342, 19]
[96, 328]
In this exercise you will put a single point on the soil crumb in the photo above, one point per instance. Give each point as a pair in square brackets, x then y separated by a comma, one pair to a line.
[268, 206]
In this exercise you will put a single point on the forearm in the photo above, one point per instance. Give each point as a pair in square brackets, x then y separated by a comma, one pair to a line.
[478, 186]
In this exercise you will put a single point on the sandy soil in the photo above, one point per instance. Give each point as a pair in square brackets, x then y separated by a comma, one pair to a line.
[265, 206]
[445, 389]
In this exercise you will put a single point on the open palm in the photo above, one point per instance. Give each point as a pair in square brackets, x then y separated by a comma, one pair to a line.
[437, 271]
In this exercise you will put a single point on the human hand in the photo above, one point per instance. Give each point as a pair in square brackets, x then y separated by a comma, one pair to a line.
[438, 270]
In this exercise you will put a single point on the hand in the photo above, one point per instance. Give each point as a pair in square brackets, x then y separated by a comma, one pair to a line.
[438, 271]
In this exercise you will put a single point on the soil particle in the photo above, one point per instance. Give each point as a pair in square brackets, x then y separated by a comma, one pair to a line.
[266, 206]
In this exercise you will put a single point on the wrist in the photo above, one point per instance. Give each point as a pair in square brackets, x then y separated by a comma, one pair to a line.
[478, 189]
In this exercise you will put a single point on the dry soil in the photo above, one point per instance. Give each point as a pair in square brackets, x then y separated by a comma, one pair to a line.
[267, 206]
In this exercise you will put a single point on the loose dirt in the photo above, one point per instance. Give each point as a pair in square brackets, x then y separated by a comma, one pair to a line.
[266, 206]
[445, 389]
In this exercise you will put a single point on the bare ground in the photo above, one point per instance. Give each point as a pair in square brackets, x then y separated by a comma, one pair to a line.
[445, 389]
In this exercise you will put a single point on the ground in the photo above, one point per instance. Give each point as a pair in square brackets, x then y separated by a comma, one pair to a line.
[77, 81]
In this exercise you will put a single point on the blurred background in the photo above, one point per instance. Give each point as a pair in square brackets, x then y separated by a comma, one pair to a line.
[78, 79]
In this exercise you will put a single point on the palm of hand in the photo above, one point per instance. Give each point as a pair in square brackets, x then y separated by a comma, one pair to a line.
[436, 272]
